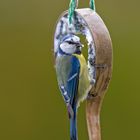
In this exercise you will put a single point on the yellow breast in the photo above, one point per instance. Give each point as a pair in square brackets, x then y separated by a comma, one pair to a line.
[84, 82]
[82, 61]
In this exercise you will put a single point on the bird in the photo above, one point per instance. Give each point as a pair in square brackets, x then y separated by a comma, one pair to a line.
[73, 77]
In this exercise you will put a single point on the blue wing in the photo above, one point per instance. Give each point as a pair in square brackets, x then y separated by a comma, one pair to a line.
[73, 80]
[68, 69]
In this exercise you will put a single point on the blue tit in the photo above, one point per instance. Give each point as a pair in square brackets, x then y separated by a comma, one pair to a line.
[72, 76]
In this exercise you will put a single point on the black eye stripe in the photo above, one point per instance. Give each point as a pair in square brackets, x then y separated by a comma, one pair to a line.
[70, 42]
[74, 43]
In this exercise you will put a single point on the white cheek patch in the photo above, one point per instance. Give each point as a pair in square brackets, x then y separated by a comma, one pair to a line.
[67, 48]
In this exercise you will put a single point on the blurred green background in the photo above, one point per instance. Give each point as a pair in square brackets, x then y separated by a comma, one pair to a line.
[31, 107]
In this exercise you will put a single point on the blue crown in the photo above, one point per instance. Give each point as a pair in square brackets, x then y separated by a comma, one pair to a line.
[71, 37]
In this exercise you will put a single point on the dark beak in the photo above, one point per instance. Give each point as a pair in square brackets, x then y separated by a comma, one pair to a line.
[79, 45]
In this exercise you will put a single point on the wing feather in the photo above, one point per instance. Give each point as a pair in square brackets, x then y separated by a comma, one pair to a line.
[68, 69]
[72, 84]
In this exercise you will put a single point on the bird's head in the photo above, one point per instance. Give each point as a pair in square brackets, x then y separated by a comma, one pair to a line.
[71, 44]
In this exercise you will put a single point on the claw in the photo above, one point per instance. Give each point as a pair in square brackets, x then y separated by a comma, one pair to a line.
[91, 96]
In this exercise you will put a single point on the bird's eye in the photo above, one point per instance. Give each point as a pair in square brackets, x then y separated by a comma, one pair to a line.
[71, 43]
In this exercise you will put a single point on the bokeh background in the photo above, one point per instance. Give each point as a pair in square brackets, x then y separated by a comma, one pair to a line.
[31, 107]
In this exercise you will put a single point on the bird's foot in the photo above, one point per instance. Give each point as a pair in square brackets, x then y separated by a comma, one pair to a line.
[91, 96]
[92, 82]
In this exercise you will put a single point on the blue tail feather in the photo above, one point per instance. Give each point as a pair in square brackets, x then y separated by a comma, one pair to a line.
[73, 126]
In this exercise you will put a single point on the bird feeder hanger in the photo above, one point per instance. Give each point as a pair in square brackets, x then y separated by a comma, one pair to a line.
[87, 22]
